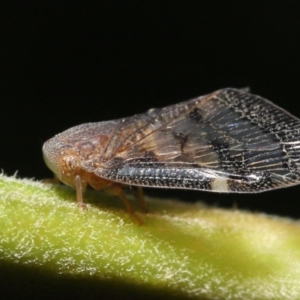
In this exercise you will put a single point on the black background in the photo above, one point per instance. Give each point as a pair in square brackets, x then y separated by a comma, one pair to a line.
[66, 63]
[71, 63]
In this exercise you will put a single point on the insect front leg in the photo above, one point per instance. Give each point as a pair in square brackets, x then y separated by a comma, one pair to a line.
[53, 180]
[80, 188]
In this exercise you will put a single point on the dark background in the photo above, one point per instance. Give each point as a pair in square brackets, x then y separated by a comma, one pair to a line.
[67, 64]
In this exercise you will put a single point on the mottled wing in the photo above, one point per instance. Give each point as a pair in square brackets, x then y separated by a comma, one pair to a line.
[228, 141]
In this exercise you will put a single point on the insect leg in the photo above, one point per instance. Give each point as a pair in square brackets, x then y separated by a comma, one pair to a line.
[119, 192]
[79, 191]
[139, 195]
[53, 180]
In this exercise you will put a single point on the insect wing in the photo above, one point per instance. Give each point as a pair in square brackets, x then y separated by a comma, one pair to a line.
[228, 141]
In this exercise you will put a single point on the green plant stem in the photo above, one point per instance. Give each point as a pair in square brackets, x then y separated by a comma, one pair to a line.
[185, 249]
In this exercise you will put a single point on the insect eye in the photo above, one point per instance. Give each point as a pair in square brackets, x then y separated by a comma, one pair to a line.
[70, 164]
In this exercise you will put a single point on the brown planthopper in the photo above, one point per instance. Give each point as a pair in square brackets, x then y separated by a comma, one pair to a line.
[229, 141]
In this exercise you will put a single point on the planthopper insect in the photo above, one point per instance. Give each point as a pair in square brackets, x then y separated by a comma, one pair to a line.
[229, 141]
